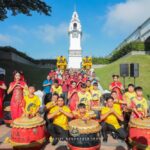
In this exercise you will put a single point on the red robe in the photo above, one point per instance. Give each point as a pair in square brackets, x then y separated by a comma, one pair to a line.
[17, 100]
[1, 100]
[73, 101]
[116, 86]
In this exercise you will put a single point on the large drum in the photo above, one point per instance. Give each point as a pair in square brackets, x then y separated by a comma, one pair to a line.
[139, 133]
[28, 133]
[84, 135]
[7, 116]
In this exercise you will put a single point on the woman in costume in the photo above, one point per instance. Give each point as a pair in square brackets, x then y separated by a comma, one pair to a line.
[73, 96]
[17, 87]
[2, 89]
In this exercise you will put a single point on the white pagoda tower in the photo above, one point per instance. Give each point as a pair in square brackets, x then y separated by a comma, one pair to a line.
[75, 35]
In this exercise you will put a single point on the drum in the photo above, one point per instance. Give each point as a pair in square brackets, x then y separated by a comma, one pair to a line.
[84, 135]
[139, 133]
[28, 133]
[7, 116]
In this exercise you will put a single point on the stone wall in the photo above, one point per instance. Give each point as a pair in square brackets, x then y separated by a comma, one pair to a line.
[5, 55]
[17, 58]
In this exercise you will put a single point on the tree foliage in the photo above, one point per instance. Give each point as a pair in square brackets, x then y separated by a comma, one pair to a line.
[100, 60]
[22, 7]
[132, 46]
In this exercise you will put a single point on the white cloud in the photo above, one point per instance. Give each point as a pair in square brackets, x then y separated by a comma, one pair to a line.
[6, 39]
[126, 16]
[50, 34]
[19, 28]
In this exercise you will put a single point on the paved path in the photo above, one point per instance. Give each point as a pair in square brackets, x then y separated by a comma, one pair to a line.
[110, 145]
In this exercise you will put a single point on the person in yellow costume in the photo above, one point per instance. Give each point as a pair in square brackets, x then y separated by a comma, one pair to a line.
[128, 97]
[82, 113]
[139, 104]
[56, 88]
[89, 87]
[52, 103]
[119, 103]
[32, 103]
[110, 117]
[84, 96]
[95, 101]
[60, 114]
[96, 94]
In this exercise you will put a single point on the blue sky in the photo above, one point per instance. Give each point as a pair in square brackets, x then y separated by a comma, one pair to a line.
[105, 23]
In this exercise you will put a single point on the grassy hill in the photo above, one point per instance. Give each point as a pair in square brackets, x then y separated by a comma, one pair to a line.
[106, 72]
[33, 75]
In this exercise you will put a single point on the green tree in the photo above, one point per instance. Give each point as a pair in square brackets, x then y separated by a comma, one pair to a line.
[25, 7]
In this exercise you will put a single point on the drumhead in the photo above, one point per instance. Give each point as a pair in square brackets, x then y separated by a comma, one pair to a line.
[140, 123]
[83, 127]
[24, 122]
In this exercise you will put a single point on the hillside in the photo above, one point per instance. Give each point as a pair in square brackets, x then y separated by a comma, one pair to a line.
[106, 72]
[33, 75]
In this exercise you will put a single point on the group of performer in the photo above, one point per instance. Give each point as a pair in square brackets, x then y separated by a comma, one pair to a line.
[76, 95]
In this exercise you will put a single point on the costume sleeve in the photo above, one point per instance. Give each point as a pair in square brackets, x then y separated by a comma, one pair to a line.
[38, 102]
[67, 109]
[145, 105]
[103, 111]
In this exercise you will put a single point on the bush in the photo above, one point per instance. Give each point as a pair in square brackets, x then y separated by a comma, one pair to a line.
[100, 60]
[133, 46]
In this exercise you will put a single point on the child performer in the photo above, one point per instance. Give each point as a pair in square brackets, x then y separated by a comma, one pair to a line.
[56, 88]
[139, 104]
[83, 113]
[117, 86]
[96, 94]
[84, 96]
[32, 103]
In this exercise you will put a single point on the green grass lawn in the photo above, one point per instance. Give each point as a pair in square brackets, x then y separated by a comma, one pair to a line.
[33, 75]
[143, 80]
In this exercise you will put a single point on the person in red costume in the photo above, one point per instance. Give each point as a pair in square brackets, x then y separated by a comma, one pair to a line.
[117, 86]
[17, 88]
[85, 78]
[73, 96]
[2, 89]
[79, 82]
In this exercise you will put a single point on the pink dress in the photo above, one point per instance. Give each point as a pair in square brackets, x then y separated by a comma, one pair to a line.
[1, 100]
[17, 100]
